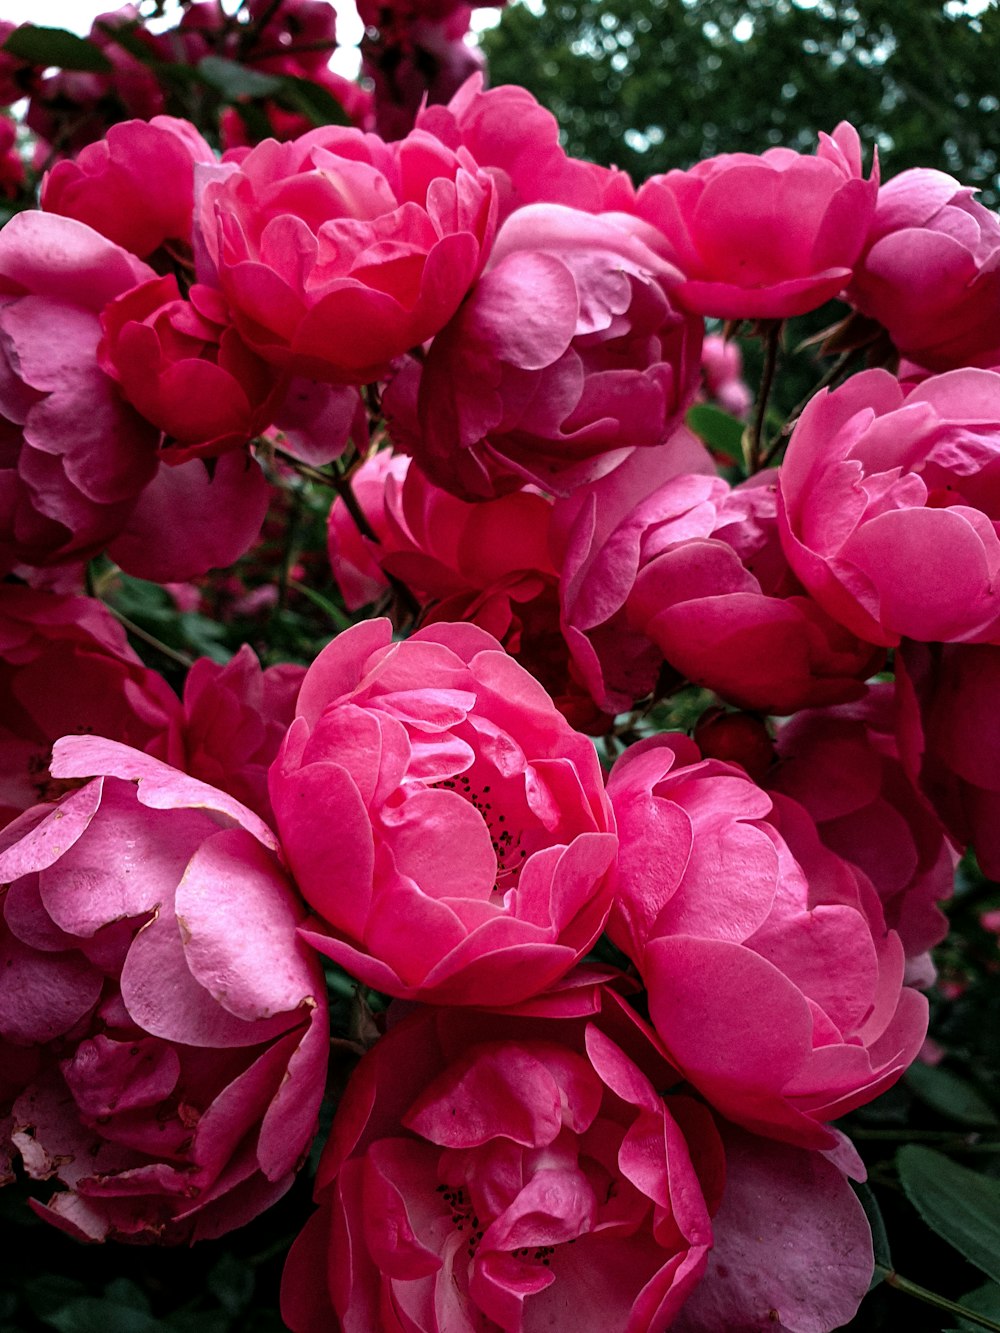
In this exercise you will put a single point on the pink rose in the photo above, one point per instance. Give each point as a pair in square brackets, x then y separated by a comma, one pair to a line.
[772, 979]
[150, 935]
[691, 573]
[447, 826]
[888, 508]
[338, 252]
[568, 354]
[516, 141]
[186, 369]
[722, 372]
[423, 61]
[74, 455]
[931, 271]
[66, 668]
[509, 1172]
[949, 738]
[231, 725]
[135, 186]
[765, 237]
[843, 765]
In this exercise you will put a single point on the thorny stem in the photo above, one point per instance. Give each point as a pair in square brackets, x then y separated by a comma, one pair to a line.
[904, 1284]
[756, 452]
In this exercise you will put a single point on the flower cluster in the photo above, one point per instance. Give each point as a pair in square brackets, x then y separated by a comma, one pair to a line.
[490, 352]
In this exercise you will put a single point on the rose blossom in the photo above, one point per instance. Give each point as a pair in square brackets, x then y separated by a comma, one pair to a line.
[772, 978]
[150, 954]
[487, 563]
[135, 186]
[931, 271]
[231, 725]
[516, 141]
[73, 454]
[722, 371]
[949, 739]
[444, 822]
[689, 571]
[338, 252]
[66, 667]
[888, 506]
[842, 764]
[182, 365]
[568, 354]
[509, 1172]
[765, 237]
[538, 1169]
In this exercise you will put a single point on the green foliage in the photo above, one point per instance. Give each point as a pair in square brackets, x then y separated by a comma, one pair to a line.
[960, 1205]
[655, 84]
[56, 46]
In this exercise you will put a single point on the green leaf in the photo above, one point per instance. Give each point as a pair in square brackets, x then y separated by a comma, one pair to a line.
[91, 1314]
[312, 100]
[880, 1237]
[234, 81]
[953, 1096]
[123, 1291]
[718, 429]
[985, 1300]
[56, 46]
[961, 1206]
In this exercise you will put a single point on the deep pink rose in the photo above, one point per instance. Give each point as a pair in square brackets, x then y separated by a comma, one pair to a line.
[888, 506]
[18, 78]
[516, 141]
[135, 186]
[495, 1171]
[11, 166]
[487, 563]
[150, 954]
[843, 765]
[690, 572]
[772, 978]
[931, 271]
[338, 252]
[425, 61]
[568, 354]
[66, 668]
[231, 725]
[447, 826]
[74, 455]
[181, 363]
[949, 738]
[765, 237]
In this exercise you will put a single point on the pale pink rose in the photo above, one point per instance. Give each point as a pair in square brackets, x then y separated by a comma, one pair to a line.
[722, 372]
[135, 186]
[773, 981]
[517, 1171]
[66, 668]
[842, 764]
[447, 826]
[231, 725]
[182, 365]
[74, 455]
[568, 355]
[516, 141]
[930, 273]
[888, 506]
[150, 935]
[765, 237]
[338, 252]
[949, 736]
[692, 574]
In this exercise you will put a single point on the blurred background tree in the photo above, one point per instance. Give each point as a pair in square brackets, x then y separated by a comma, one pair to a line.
[655, 84]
